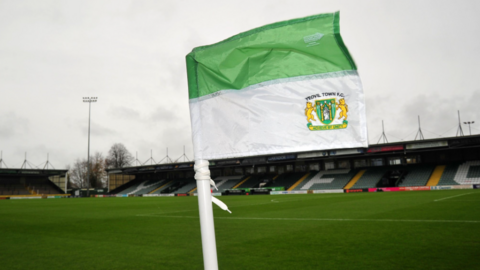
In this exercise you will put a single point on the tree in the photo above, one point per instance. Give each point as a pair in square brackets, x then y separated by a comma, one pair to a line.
[79, 171]
[119, 156]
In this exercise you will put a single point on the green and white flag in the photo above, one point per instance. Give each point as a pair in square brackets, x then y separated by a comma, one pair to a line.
[290, 86]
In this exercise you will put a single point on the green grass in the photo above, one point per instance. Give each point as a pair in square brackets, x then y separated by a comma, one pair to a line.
[397, 230]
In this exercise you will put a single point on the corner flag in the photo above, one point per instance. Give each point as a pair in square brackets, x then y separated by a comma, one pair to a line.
[286, 87]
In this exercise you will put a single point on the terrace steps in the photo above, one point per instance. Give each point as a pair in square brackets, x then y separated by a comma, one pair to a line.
[436, 175]
[239, 184]
[151, 192]
[299, 181]
[355, 179]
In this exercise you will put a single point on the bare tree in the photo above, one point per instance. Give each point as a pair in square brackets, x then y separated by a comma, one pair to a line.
[79, 171]
[98, 175]
[118, 156]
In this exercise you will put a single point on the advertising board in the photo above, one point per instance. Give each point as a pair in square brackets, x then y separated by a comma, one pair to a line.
[282, 157]
[463, 187]
[452, 187]
[356, 190]
[313, 154]
[159, 195]
[440, 187]
[385, 148]
[288, 192]
[254, 160]
[328, 191]
[423, 145]
[228, 162]
[464, 142]
[414, 188]
[147, 169]
[389, 189]
[342, 152]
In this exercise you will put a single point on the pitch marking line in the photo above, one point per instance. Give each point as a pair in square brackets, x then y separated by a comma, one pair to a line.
[452, 197]
[157, 214]
[329, 219]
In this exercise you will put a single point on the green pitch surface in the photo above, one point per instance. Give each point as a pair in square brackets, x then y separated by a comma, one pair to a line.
[398, 230]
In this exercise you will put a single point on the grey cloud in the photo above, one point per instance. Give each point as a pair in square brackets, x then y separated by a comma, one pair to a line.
[124, 113]
[13, 125]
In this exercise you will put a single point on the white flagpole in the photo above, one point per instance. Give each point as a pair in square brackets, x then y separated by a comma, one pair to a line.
[209, 246]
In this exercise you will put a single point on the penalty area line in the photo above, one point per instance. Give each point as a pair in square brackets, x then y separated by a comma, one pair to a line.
[446, 198]
[329, 219]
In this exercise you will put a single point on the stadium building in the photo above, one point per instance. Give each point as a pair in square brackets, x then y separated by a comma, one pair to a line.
[411, 165]
[32, 182]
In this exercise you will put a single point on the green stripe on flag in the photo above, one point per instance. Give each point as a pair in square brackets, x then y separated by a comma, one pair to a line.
[299, 47]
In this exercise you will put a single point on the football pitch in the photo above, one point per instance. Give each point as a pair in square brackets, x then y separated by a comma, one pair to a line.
[397, 230]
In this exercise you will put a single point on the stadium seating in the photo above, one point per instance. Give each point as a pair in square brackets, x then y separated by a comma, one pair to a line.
[142, 187]
[417, 175]
[227, 182]
[187, 185]
[163, 187]
[255, 180]
[449, 174]
[330, 179]
[41, 185]
[31, 186]
[371, 177]
[148, 186]
[285, 180]
[12, 188]
[463, 173]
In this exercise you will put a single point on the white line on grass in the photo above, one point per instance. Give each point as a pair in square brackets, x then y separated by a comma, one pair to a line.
[452, 197]
[329, 219]
[161, 213]
[283, 200]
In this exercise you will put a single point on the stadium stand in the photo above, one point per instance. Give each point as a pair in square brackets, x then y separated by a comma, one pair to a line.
[331, 179]
[255, 180]
[285, 180]
[463, 173]
[142, 187]
[11, 186]
[178, 185]
[187, 186]
[164, 187]
[449, 174]
[417, 175]
[371, 177]
[227, 182]
[436, 175]
[33, 185]
[354, 180]
[306, 176]
[430, 162]
[148, 186]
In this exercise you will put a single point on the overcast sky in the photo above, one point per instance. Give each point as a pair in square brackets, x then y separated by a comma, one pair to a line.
[414, 58]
